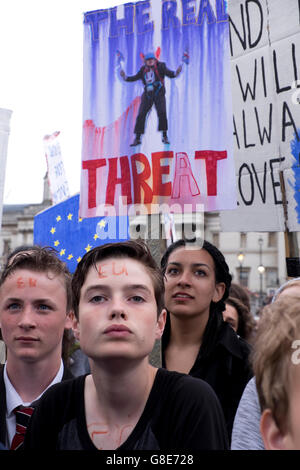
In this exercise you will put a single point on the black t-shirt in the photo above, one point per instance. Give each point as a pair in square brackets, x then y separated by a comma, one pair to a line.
[181, 413]
[222, 361]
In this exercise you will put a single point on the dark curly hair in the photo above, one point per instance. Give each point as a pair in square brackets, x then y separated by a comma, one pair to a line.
[239, 292]
[246, 322]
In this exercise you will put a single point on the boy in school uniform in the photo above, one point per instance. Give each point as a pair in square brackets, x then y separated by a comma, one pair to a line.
[35, 310]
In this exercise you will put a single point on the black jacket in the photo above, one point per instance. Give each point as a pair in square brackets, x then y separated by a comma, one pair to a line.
[66, 375]
[222, 361]
[160, 70]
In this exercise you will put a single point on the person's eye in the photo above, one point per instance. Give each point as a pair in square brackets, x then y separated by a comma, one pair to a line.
[200, 272]
[137, 299]
[44, 308]
[97, 299]
[172, 271]
[13, 306]
[229, 321]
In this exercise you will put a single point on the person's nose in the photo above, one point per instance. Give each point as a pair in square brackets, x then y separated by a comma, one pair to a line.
[118, 310]
[27, 319]
[184, 278]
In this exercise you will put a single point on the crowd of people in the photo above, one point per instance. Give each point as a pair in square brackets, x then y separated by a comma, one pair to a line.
[77, 374]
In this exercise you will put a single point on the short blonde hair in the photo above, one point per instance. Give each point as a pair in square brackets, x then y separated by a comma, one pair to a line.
[278, 327]
[291, 283]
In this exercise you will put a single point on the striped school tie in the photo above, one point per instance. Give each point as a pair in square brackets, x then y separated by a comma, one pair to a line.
[23, 414]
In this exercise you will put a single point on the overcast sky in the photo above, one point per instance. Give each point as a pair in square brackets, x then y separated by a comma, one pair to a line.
[41, 44]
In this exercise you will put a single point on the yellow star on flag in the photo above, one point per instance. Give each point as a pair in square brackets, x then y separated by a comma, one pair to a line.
[102, 223]
[95, 236]
[53, 230]
[58, 218]
[78, 259]
[88, 248]
[80, 219]
[62, 252]
[70, 256]
[70, 216]
[56, 243]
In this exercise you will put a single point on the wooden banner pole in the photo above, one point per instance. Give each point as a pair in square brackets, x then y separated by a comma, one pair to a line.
[157, 245]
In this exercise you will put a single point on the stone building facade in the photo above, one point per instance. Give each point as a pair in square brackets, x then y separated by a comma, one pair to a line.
[17, 223]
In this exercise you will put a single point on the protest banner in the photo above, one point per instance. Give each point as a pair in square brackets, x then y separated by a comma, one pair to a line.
[265, 47]
[60, 227]
[179, 154]
[5, 115]
[58, 183]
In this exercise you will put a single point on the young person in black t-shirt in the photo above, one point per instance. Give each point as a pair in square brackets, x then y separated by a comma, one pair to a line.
[125, 403]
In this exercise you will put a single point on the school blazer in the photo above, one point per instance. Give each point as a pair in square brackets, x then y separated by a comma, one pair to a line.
[66, 375]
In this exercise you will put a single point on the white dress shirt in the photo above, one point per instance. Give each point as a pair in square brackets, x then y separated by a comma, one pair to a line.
[13, 400]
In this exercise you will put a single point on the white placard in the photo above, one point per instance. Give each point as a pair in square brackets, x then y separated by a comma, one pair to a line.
[5, 115]
[265, 51]
[58, 183]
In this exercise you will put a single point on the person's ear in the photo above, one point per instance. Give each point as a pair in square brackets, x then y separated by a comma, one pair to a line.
[69, 320]
[75, 326]
[161, 321]
[219, 291]
[271, 434]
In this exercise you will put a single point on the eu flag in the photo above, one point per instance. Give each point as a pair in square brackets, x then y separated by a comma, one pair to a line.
[59, 226]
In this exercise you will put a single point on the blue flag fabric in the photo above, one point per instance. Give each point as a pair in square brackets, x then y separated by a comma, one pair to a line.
[60, 227]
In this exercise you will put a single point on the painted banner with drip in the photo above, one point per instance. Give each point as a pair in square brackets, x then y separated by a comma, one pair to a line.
[157, 111]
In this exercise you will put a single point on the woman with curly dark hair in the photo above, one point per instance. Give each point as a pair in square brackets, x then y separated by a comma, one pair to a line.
[238, 316]
[196, 340]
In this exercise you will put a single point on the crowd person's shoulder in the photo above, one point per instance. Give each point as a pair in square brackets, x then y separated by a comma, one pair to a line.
[246, 433]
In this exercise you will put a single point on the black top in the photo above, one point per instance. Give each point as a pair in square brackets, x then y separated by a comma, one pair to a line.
[181, 413]
[222, 361]
[160, 70]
